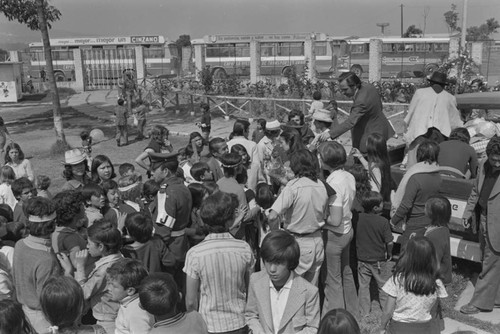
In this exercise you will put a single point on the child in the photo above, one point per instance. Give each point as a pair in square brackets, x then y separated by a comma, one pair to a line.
[34, 260]
[139, 113]
[316, 104]
[4, 133]
[197, 229]
[22, 189]
[205, 121]
[12, 318]
[42, 186]
[201, 172]
[126, 169]
[111, 210]
[124, 278]
[7, 176]
[69, 236]
[86, 146]
[374, 249]
[147, 248]
[338, 321]
[160, 297]
[218, 289]
[104, 243]
[413, 290]
[258, 133]
[438, 209]
[150, 189]
[62, 305]
[273, 290]
[7, 290]
[211, 187]
[129, 190]
[93, 197]
[121, 114]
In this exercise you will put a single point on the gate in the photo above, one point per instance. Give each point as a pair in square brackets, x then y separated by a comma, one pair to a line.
[104, 68]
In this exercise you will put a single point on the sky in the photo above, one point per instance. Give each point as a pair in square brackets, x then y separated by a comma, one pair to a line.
[171, 18]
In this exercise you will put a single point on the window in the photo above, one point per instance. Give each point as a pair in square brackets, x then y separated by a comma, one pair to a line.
[409, 47]
[242, 49]
[154, 53]
[320, 48]
[388, 47]
[268, 49]
[441, 47]
[290, 49]
[423, 47]
[62, 55]
[357, 48]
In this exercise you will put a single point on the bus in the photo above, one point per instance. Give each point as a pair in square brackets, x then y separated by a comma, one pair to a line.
[230, 54]
[401, 57]
[105, 59]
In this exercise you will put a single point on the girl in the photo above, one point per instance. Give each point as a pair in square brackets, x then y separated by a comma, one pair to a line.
[242, 152]
[413, 290]
[14, 157]
[104, 243]
[7, 176]
[93, 197]
[75, 171]
[62, 304]
[159, 144]
[12, 318]
[102, 169]
[196, 141]
[197, 230]
[362, 185]
[4, 133]
[338, 321]
[378, 166]
[438, 209]
[290, 143]
[111, 209]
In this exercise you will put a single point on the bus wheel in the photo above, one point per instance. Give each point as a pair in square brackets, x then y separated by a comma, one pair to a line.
[219, 73]
[357, 69]
[59, 76]
[429, 68]
[286, 72]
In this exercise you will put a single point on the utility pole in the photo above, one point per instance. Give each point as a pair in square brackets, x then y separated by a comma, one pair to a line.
[382, 27]
[402, 29]
[464, 27]
[426, 13]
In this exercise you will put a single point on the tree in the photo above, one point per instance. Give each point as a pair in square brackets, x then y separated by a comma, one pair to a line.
[451, 19]
[38, 15]
[482, 32]
[412, 31]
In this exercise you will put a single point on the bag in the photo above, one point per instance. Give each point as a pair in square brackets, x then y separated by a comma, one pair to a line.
[136, 121]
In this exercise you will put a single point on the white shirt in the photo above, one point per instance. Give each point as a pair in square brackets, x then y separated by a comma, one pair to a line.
[279, 300]
[249, 145]
[344, 185]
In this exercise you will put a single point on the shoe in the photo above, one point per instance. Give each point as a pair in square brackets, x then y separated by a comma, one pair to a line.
[470, 309]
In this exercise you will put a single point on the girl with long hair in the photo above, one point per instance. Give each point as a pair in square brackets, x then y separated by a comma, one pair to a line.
[413, 290]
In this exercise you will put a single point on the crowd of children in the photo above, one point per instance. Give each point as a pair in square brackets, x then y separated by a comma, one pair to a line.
[197, 248]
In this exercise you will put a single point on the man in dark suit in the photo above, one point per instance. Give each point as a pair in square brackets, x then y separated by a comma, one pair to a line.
[366, 114]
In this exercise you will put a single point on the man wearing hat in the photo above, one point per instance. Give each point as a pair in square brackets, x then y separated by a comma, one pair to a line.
[432, 115]
[322, 123]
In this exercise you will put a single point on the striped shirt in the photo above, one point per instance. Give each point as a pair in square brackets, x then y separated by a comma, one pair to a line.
[221, 263]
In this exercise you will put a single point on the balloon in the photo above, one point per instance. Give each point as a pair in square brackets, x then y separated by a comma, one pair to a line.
[97, 135]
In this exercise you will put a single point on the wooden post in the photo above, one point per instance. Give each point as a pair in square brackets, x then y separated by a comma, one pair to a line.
[274, 108]
[192, 102]
[177, 101]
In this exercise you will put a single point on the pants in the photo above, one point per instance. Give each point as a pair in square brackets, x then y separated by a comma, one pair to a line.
[37, 319]
[243, 330]
[381, 272]
[487, 289]
[121, 134]
[340, 290]
[140, 128]
[396, 327]
[312, 254]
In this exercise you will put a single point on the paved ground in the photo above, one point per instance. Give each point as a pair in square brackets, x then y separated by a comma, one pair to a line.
[99, 105]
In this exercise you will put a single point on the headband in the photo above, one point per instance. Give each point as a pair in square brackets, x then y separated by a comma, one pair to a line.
[42, 219]
[126, 188]
[231, 166]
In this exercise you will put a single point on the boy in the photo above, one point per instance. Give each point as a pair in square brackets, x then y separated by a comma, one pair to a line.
[22, 189]
[374, 249]
[218, 147]
[201, 172]
[126, 169]
[140, 114]
[42, 186]
[218, 268]
[34, 260]
[274, 290]
[121, 114]
[159, 296]
[149, 249]
[205, 121]
[150, 189]
[123, 280]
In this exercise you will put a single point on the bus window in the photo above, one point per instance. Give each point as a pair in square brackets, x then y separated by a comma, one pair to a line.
[154, 53]
[242, 49]
[268, 49]
[423, 47]
[409, 47]
[290, 49]
[388, 47]
[357, 48]
[399, 47]
[320, 49]
[212, 50]
[441, 47]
